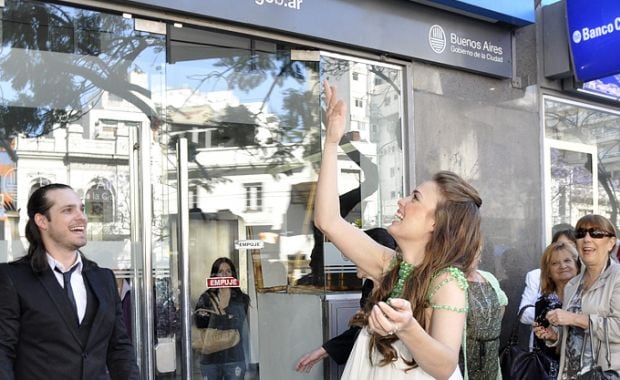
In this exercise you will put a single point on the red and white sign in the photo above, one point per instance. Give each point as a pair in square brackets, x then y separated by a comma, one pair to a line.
[222, 282]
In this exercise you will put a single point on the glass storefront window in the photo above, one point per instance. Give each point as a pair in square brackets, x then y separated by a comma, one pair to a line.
[89, 99]
[75, 90]
[582, 160]
[371, 180]
[251, 114]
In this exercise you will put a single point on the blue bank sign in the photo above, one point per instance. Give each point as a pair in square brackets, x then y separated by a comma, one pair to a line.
[594, 34]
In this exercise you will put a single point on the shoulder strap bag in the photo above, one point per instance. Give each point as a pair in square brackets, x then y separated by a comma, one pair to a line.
[594, 371]
[210, 340]
[518, 363]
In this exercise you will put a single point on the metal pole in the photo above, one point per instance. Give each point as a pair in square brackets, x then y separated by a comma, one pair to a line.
[183, 249]
[137, 253]
[146, 195]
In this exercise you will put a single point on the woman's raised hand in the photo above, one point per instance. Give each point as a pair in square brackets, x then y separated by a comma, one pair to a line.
[335, 113]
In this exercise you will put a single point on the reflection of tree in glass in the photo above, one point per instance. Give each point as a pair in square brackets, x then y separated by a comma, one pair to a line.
[571, 184]
[607, 182]
[57, 61]
[247, 72]
[588, 126]
[240, 131]
[122, 222]
[337, 67]
[292, 127]
[32, 122]
[571, 168]
[276, 134]
[234, 127]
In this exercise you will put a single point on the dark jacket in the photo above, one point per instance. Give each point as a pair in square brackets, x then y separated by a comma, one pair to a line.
[39, 336]
[339, 347]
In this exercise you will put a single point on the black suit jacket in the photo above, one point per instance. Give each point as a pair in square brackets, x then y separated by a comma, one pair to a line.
[39, 336]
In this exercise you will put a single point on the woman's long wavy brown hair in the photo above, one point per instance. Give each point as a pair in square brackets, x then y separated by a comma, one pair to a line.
[454, 243]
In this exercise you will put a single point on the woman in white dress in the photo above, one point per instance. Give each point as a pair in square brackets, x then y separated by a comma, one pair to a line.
[414, 322]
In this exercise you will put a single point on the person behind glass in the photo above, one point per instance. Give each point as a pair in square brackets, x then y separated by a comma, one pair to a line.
[591, 301]
[223, 309]
[532, 290]
[558, 265]
[414, 322]
[60, 314]
[487, 302]
[339, 348]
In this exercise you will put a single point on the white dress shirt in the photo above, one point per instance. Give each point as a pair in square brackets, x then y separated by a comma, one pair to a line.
[77, 282]
[530, 295]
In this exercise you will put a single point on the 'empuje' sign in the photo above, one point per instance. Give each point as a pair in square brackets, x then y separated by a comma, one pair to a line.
[222, 282]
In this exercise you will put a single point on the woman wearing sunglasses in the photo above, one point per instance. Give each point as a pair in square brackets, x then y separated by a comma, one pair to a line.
[591, 302]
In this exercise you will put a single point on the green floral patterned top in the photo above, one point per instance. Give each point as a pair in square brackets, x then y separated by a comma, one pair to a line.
[454, 274]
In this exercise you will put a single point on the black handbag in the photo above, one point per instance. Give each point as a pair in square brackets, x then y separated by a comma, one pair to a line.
[518, 363]
[595, 372]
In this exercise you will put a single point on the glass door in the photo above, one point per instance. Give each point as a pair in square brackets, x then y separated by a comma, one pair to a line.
[243, 141]
[76, 107]
[248, 113]
[192, 147]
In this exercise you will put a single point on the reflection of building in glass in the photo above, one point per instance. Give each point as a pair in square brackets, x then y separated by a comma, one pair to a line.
[571, 186]
[8, 194]
[374, 104]
[92, 155]
[385, 121]
[246, 160]
[595, 137]
[253, 196]
[99, 201]
[240, 161]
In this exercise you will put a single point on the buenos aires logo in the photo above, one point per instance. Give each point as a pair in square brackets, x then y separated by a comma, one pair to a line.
[437, 39]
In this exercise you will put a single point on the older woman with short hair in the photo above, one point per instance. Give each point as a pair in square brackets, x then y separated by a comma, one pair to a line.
[591, 302]
[558, 265]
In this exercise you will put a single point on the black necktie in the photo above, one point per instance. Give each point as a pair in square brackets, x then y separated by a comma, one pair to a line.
[66, 278]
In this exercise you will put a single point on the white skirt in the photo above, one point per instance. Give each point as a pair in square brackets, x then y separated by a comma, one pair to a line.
[359, 368]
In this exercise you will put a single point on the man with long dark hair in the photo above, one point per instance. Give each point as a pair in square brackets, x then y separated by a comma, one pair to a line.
[60, 314]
